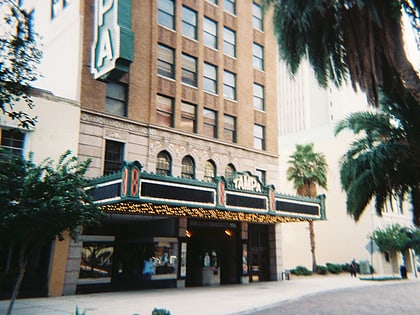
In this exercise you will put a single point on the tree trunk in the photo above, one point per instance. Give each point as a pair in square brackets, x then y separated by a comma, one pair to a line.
[309, 190]
[23, 260]
[9, 258]
[312, 240]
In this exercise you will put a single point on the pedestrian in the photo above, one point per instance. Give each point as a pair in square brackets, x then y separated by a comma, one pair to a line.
[353, 270]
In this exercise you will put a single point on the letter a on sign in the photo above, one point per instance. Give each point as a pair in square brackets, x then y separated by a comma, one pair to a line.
[105, 46]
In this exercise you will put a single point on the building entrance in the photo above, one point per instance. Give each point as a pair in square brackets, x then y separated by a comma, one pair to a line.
[258, 252]
[212, 255]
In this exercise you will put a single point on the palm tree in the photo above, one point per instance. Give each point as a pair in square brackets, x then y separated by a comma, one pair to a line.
[384, 162]
[308, 169]
[355, 38]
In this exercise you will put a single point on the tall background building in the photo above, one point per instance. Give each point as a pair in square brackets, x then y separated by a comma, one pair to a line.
[309, 114]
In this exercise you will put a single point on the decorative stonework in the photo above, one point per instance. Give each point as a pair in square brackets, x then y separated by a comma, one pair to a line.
[116, 135]
[177, 143]
[112, 122]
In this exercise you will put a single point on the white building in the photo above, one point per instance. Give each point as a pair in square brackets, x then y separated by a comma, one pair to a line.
[57, 108]
[308, 114]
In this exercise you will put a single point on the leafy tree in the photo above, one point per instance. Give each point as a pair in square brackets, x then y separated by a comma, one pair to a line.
[415, 240]
[39, 203]
[308, 169]
[392, 238]
[397, 238]
[19, 57]
[384, 161]
[359, 39]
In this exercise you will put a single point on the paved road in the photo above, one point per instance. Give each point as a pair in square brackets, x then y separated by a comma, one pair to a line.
[312, 295]
[393, 299]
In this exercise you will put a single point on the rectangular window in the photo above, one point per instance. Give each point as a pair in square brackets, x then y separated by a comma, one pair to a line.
[12, 141]
[229, 6]
[258, 96]
[229, 85]
[166, 13]
[229, 128]
[189, 70]
[259, 137]
[96, 259]
[164, 111]
[261, 175]
[188, 117]
[210, 78]
[113, 156]
[210, 123]
[213, 1]
[166, 61]
[229, 42]
[189, 23]
[258, 57]
[210, 33]
[257, 17]
[116, 98]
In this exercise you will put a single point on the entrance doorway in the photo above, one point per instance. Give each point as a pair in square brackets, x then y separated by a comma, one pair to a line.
[212, 248]
[258, 252]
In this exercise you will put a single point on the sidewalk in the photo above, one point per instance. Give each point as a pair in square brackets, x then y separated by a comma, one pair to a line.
[223, 300]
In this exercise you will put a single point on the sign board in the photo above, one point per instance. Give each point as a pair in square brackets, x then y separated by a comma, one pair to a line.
[112, 47]
[371, 247]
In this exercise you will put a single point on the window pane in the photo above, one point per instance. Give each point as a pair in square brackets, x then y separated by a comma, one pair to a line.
[116, 98]
[210, 78]
[166, 61]
[229, 6]
[229, 42]
[113, 156]
[229, 128]
[166, 13]
[229, 85]
[257, 18]
[163, 164]
[258, 97]
[210, 123]
[189, 70]
[187, 170]
[230, 171]
[96, 260]
[258, 57]
[261, 175]
[209, 171]
[210, 33]
[259, 142]
[188, 117]
[189, 23]
[164, 111]
[12, 141]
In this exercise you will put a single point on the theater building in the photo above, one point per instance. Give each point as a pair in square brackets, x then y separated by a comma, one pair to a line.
[178, 112]
[183, 94]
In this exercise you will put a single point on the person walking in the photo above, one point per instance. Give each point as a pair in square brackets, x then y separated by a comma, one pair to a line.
[353, 270]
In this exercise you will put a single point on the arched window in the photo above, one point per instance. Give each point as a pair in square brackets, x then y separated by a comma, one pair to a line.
[230, 170]
[188, 167]
[209, 171]
[163, 164]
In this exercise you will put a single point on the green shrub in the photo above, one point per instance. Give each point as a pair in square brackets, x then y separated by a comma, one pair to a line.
[321, 270]
[345, 267]
[160, 311]
[301, 270]
[334, 268]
